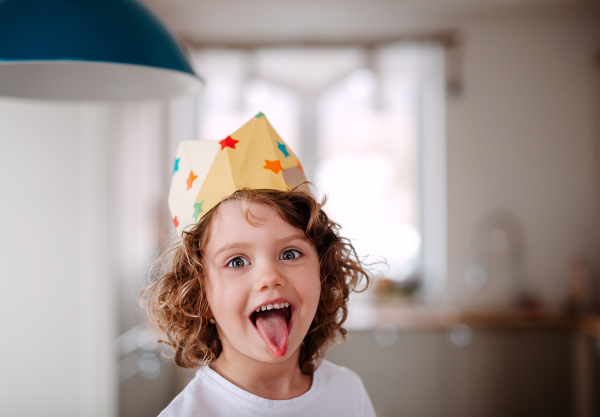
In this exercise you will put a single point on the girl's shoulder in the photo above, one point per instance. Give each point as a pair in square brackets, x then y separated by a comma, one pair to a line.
[331, 373]
[341, 392]
[185, 403]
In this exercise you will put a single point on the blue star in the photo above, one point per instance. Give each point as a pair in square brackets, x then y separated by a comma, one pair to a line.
[176, 165]
[198, 209]
[283, 149]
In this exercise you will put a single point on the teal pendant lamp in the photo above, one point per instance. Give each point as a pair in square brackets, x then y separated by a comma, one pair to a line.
[89, 50]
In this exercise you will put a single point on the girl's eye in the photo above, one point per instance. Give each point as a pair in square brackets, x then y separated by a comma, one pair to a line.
[290, 254]
[238, 262]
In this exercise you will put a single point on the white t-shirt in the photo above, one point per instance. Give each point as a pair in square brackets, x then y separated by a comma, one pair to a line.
[335, 391]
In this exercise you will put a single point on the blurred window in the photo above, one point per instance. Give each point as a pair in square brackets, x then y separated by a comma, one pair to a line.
[352, 116]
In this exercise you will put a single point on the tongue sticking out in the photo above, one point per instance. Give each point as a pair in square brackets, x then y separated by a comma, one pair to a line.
[272, 327]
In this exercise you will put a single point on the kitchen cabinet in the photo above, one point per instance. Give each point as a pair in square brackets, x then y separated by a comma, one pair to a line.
[510, 372]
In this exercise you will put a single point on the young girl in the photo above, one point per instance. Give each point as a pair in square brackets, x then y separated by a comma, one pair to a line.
[254, 293]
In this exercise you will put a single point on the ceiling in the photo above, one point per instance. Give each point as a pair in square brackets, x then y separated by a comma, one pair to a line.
[285, 21]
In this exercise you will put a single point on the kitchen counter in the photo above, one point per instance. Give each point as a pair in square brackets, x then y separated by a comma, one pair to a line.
[413, 318]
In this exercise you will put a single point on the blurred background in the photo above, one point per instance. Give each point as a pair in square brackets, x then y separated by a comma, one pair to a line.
[457, 140]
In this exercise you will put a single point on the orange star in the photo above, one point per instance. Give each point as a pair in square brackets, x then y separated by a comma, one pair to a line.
[175, 222]
[274, 166]
[190, 180]
[300, 167]
[228, 142]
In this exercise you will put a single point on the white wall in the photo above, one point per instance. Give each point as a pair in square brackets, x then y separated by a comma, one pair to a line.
[56, 314]
[523, 137]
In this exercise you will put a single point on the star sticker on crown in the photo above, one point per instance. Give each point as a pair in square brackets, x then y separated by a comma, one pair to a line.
[274, 166]
[198, 209]
[228, 142]
[190, 180]
[176, 168]
[283, 149]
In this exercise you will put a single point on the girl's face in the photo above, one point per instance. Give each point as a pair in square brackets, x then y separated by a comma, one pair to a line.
[250, 267]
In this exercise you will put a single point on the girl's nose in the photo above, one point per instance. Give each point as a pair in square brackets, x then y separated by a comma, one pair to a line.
[269, 278]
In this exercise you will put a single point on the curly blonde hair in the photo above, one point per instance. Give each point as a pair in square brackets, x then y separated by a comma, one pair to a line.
[177, 300]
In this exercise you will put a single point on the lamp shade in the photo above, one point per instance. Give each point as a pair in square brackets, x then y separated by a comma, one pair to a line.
[89, 50]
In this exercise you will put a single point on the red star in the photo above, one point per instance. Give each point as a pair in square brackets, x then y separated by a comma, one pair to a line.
[228, 142]
[175, 222]
[300, 167]
[274, 166]
[190, 180]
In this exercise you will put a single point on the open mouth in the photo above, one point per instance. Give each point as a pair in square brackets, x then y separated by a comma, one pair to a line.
[273, 323]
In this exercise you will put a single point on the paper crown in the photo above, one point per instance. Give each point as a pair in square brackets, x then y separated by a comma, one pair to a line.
[207, 171]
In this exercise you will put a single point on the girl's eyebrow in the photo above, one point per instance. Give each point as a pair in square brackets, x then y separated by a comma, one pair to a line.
[249, 245]
[292, 237]
[233, 246]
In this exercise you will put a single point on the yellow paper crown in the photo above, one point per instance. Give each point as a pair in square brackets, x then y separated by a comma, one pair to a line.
[207, 171]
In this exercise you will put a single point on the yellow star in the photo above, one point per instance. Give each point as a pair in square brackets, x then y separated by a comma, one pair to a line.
[274, 166]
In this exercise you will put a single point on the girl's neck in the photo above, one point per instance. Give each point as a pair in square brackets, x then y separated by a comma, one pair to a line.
[273, 381]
